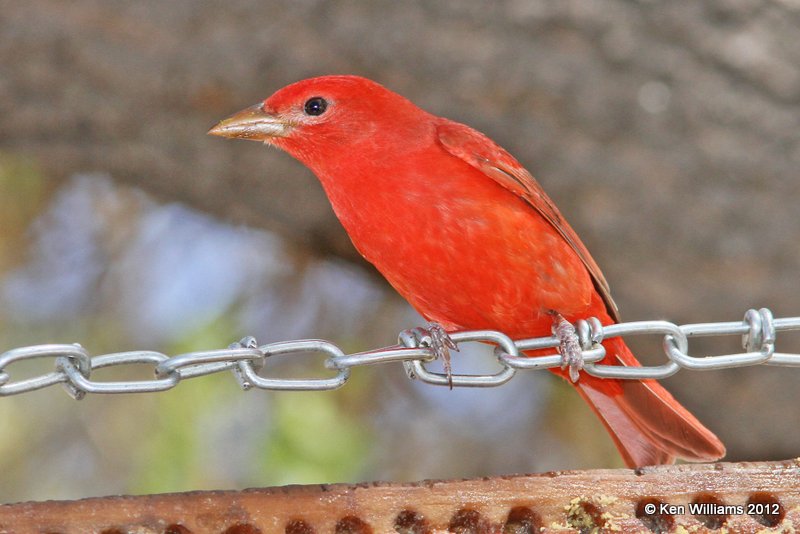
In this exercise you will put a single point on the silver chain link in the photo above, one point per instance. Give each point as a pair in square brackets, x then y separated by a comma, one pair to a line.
[249, 362]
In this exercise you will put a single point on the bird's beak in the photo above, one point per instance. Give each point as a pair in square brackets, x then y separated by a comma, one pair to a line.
[252, 123]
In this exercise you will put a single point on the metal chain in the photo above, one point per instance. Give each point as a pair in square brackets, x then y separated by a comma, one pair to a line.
[249, 362]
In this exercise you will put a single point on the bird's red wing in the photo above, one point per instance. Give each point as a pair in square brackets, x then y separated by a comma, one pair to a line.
[487, 156]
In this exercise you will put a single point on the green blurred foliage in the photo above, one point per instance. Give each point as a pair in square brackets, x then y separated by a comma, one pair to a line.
[23, 192]
[313, 441]
[168, 457]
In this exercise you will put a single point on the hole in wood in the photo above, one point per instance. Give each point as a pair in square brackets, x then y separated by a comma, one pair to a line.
[765, 508]
[112, 531]
[522, 520]
[242, 528]
[352, 525]
[298, 526]
[176, 528]
[648, 511]
[468, 521]
[585, 515]
[411, 522]
[710, 510]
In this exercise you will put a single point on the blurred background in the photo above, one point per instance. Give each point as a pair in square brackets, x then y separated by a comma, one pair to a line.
[668, 133]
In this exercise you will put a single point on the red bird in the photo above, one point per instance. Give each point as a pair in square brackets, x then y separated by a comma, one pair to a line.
[467, 236]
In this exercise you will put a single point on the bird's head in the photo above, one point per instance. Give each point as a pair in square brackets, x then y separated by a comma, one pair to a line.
[319, 119]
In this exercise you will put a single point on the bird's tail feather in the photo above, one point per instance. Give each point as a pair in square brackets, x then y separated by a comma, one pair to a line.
[647, 424]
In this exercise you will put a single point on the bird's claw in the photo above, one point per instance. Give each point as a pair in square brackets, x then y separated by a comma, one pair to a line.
[435, 337]
[569, 346]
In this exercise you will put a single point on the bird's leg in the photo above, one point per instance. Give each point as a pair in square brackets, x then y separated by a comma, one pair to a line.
[569, 345]
[436, 338]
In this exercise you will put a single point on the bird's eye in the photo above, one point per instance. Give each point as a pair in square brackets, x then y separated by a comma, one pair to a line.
[315, 106]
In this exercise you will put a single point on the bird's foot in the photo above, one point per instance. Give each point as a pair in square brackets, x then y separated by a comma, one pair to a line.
[436, 338]
[569, 346]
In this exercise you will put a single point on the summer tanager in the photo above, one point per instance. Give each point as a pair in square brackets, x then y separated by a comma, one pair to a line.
[466, 235]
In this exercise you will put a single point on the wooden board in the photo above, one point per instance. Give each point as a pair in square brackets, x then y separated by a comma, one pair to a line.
[567, 501]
